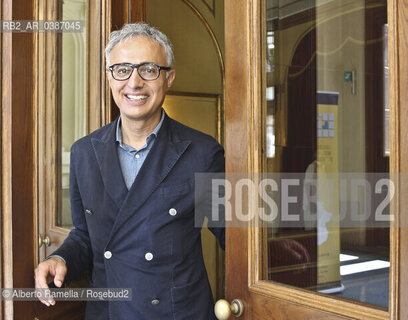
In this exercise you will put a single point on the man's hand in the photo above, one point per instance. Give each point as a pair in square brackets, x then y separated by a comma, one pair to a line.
[53, 269]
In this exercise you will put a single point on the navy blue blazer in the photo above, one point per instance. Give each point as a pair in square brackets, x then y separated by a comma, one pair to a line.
[144, 238]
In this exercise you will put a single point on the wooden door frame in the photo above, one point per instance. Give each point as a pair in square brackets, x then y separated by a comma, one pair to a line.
[6, 307]
[16, 125]
[243, 114]
[398, 49]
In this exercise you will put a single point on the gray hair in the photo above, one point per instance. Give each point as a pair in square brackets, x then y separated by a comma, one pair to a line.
[132, 30]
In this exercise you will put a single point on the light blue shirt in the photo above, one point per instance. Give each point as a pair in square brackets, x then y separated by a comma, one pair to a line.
[131, 160]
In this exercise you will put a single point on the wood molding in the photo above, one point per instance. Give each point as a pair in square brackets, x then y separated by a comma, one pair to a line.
[23, 167]
[398, 50]
[127, 11]
[237, 136]
[105, 91]
[394, 102]
[137, 10]
[316, 301]
[396, 309]
[95, 59]
[210, 6]
[6, 162]
[47, 128]
[118, 13]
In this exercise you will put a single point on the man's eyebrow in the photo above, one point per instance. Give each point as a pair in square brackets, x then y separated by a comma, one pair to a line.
[143, 62]
[123, 63]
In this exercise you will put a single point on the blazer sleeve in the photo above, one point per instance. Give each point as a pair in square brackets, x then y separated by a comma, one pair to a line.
[216, 166]
[76, 249]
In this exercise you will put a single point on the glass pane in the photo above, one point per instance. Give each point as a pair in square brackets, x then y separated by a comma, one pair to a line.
[72, 114]
[326, 135]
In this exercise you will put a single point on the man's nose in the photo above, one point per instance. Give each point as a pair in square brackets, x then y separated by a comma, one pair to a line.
[135, 81]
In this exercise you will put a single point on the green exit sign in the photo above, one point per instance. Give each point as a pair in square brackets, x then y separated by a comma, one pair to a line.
[348, 76]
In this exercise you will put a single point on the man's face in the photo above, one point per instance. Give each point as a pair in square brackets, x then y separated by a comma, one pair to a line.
[138, 99]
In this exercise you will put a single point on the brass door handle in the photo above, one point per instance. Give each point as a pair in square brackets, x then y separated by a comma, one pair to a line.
[46, 241]
[223, 309]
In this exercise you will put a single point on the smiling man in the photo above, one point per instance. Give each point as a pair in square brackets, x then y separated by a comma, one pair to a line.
[132, 195]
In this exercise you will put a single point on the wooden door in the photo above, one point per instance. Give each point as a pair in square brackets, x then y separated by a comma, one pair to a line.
[34, 219]
[293, 73]
[73, 90]
[70, 97]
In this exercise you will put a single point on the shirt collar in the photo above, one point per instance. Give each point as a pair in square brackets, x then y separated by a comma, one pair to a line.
[153, 133]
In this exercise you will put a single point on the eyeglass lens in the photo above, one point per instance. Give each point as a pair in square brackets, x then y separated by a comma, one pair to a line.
[146, 71]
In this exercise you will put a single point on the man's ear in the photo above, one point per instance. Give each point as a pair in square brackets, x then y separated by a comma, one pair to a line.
[109, 76]
[171, 74]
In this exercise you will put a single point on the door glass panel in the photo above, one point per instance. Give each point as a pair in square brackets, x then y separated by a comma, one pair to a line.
[72, 114]
[326, 134]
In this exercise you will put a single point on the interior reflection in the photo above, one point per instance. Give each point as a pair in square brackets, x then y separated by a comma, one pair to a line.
[72, 115]
[326, 118]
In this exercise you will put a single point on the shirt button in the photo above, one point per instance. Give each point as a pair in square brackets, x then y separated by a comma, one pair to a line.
[172, 212]
[149, 256]
[155, 301]
[107, 254]
[137, 156]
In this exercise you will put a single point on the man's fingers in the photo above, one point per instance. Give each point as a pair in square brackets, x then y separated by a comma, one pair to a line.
[50, 269]
[41, 274]
[45, 297]
[60, 272]
[59, 278]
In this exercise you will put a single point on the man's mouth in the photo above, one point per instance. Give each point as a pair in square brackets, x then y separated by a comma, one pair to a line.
[136, 97]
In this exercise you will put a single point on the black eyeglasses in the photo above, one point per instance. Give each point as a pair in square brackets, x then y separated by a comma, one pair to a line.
[146, 70]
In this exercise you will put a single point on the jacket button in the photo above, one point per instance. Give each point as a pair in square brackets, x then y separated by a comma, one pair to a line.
[88, 211]
[155, 301]
[172, 212]
[149, 256]
[107, 254]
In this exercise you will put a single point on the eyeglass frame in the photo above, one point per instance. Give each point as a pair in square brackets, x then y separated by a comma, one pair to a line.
[136, 66]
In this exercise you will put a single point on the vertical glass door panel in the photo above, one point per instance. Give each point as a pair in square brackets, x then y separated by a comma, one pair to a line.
[326, 140]
[72, 113]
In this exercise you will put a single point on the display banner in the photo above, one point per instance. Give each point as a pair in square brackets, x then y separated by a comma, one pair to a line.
[328, 198]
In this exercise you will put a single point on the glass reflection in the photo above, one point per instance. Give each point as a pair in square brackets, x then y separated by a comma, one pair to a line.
[327, 114]
[72, 112]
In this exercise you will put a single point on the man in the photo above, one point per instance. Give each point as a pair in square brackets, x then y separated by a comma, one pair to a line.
[132, 195]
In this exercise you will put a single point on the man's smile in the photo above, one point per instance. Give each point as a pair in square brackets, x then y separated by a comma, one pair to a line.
[135, 97]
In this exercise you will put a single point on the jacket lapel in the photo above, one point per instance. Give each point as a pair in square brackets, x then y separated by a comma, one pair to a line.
[106, 154]
[165, 153]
